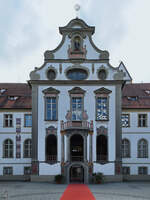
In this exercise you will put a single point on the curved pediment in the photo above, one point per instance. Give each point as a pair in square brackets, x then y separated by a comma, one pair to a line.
[102, 91]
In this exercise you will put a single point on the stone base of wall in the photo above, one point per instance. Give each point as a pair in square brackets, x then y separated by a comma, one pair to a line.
[113, 178]
[136, 177]
[15, 178]
[42, 178]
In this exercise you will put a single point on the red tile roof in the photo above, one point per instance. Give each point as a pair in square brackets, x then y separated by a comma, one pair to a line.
[134, 96]
[22, 93]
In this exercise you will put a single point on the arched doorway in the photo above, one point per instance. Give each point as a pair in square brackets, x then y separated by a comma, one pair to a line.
[76, 174]
[102, 154]
[76, 148]
[51, 148]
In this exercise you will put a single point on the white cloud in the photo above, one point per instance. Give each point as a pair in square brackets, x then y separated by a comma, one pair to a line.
[31, 27]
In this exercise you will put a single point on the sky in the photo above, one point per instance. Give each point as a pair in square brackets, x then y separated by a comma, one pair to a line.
[30, 27]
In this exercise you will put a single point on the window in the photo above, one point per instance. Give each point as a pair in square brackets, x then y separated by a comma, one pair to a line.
[125, 120]
[8, 120]
[27, 148]
[27, 170]
[77, 74]
[125, 148]
[142, 149]
[101, 108]
[27, 120]
[8, 148]
[126, 170]
[142, 120]
[51, 108]
[142, 171]
[77, 108]
[7, 171]
[77, 43]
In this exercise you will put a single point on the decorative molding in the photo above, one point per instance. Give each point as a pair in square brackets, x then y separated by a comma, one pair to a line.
[48, 55]
[60, 68]
[102, 131]
[51, 130]
[102, 91]
[77, 90]
[93, 69]
[51, 90]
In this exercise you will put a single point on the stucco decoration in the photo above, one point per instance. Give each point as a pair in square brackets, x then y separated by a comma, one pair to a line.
[34, 75]
[68, 116]
[102, 130]
[104, 55]
[51, 90]
[51, 130]
[119, 75]
[102, 91]
[48, 55]
[60, 68]
[93, 69]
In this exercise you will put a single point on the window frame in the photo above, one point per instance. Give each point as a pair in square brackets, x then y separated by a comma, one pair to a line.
[127, 114]
[8, 149]
[4, 120]
[25, 120]
[6, 168]
[25, 170]
[107, 107]
[27, 148]
[127, 170]
[143, 169]
[140, 123]
[141, 150]
[71, 106]
[124, 150]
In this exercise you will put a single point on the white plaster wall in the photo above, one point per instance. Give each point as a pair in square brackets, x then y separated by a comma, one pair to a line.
[47, 169]
[107, 169]
[134, 167]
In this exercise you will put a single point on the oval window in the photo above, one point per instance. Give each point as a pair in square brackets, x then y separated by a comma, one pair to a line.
[77, 74]
[102, 74]
[51, 74]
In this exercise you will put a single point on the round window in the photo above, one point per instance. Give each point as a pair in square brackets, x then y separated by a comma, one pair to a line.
[77, 74]
[51, 74]
[102, 74]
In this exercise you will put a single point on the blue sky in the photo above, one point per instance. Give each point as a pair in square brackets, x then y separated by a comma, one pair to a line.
[29, 27]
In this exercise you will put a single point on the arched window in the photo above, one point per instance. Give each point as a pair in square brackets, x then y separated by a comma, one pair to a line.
[8, 148]
[27, 148]
[125, 148]
[142, 149]
[77, 43]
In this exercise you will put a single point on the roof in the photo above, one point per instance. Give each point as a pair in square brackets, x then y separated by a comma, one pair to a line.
[18, 96]
[15, 96]
[136, 95]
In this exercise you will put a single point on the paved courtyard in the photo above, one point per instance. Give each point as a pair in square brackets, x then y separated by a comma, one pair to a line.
[46, 191]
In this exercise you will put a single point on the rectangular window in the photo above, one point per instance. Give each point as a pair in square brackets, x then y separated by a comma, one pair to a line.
[126, 170]
[77, 108]
[51, 108]
[27, 120]
[101, 108]
[142, 120]
[7, 171]
[8, 120]
[125, 120]
[27, 170]
[142, 170]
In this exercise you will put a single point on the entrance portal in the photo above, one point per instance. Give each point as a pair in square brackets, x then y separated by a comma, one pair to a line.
[77, 174]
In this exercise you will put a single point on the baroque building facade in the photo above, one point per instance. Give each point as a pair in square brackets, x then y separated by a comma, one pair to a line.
[78, 115]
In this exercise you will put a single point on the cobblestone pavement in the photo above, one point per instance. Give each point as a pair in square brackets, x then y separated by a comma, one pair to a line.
[47, 191]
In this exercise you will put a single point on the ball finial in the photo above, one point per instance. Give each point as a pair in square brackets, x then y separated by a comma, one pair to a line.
[77, 8]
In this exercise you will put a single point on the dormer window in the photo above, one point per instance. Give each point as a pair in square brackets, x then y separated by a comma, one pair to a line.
[2, 90]
[133, 98]
[12, 98]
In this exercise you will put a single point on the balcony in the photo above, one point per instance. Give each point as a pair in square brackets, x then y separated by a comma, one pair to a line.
[76, 125]
[76, 158]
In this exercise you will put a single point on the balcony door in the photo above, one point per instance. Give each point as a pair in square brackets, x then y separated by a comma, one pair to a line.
[76, 148]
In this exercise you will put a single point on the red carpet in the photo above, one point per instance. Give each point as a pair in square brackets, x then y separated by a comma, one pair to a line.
[77, 192]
